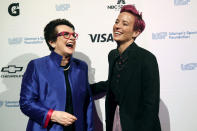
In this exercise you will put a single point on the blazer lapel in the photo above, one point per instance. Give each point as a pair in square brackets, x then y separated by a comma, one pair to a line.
[112, 60]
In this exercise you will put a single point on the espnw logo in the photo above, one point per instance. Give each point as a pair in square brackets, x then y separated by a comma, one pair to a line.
[13, 9]
[11, 69]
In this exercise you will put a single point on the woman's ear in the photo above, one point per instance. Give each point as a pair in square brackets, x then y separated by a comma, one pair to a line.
[53, 44]
[136, 33]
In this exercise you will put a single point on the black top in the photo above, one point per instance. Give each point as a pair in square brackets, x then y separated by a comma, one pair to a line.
[119, 65]
[69, 105]
[139, 90]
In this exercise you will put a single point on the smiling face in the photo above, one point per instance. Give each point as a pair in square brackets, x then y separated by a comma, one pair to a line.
[123, 29]
[63, 46]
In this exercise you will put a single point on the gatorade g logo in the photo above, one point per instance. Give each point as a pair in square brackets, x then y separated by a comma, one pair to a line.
[13, 9]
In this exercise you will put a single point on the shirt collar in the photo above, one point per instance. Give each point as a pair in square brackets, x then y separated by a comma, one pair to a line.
[126, 52]
[56, 58]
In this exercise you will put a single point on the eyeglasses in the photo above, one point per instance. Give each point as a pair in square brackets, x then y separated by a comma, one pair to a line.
[67, 35]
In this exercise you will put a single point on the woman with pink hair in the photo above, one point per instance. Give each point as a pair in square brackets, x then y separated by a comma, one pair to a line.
[132, 88]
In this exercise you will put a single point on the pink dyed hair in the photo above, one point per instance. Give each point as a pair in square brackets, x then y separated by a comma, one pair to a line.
[139, 24]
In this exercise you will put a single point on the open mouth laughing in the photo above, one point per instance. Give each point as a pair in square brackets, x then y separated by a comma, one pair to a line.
[70, 45]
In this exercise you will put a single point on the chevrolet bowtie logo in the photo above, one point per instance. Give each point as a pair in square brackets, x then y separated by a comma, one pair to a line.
[11, 69]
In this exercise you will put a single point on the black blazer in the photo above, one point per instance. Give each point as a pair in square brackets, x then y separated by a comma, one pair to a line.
[140, 91]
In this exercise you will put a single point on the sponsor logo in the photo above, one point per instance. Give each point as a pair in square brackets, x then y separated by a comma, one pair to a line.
[62, 7]
[9, 103]
[26, 40]
[173, 35]
[181, 2]
[190, 66]
[159, 35]
[1, 103]
[101, 38]
[117, 6]
[11, 70]
[16, 40]
[33, 40]
[13, 9]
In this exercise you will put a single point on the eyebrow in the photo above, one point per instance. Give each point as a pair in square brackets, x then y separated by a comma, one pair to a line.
[124, 21]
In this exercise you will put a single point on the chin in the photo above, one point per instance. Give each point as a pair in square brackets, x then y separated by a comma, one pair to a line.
[69, 53]
[117, 40]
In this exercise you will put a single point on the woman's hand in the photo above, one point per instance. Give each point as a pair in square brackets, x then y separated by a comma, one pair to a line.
[63, 118]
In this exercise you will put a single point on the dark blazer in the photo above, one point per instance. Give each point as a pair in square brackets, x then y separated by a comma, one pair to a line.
[44, 87]
[139, 89]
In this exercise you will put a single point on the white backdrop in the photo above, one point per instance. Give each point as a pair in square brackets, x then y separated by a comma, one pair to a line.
[170, 34]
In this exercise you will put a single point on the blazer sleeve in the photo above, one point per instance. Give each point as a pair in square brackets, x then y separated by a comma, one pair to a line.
[89, 112]
[151, 93]
[99, 87]
[89, 104]
[102, 86]
[29, 101]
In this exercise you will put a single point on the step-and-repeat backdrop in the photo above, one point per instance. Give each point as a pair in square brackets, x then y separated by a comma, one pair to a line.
[170, 33]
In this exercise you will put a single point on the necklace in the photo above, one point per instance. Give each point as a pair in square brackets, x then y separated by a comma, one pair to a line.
[67, 68]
